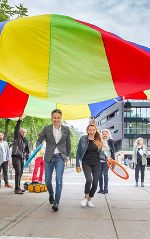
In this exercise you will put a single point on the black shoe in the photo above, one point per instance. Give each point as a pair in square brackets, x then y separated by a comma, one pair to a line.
[100, 191]
[51, 199]
[105, 191]
[55, 207]
[23, 190]
[18, 191]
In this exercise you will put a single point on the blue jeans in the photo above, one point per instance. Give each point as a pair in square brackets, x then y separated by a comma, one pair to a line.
[103, 176]
[58, 163]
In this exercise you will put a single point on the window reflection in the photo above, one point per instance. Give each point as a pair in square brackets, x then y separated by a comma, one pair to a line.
[143, 112]
[133, 112]
[148, 112]
[138, 112]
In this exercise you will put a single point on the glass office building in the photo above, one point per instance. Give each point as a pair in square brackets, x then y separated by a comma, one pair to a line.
[136, 123]
[127, 121]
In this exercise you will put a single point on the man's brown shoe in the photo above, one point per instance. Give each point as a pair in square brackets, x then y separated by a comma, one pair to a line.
[18, 191]
[8, 186]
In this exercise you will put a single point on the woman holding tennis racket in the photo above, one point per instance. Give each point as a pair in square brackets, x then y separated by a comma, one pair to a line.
[89, 153]
[139, 159]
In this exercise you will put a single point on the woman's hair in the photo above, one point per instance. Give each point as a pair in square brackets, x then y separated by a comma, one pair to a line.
[97, 137]
[137, 141]
[108, 132]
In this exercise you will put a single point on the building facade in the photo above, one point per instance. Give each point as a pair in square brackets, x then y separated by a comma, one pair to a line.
[127, 121]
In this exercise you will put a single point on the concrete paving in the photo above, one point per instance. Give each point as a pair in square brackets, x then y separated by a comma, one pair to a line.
[123, 213]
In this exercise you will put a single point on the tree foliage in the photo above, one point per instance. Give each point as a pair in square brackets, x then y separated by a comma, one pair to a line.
[33, 125]
[7, 12]
[75, 136]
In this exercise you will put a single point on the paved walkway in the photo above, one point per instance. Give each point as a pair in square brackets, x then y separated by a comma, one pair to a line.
[123, 214]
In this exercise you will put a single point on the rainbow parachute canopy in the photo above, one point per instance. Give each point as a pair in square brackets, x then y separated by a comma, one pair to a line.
[54, 60]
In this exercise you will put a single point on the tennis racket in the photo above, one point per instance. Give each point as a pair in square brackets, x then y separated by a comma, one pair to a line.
[117, 168]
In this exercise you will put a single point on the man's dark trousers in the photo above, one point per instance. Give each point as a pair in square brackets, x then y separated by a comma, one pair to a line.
[18, 165]
[4, 167]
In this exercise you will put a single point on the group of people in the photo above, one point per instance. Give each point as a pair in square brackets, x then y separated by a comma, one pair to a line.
[93, 151]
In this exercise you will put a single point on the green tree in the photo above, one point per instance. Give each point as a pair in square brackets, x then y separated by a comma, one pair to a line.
[21, 11]
[33, 125]
[75, 136]
[7, 11]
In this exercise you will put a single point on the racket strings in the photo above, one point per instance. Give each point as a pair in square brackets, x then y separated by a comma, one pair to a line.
[118, 170]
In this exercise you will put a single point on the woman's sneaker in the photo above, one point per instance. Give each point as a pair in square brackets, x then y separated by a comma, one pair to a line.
[142, 184]
[136, 185]
[90, 203]
[84, 202]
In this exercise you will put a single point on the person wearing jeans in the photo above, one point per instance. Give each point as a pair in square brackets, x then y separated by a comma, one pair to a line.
[139, 159]
[4, 159]
[89, 153]
[58, 149]
[110, 153]
[57, 163]
[103, 178]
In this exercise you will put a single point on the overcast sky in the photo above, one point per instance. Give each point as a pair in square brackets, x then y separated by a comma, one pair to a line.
[130, 19]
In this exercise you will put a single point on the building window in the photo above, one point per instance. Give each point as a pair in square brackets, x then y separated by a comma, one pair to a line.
[144, 128]
[127, 114]
[103, 121]
[138, 112]
[148, 142]
[148, 128]
[116, 131]
[133, 112]
[111, 128]
[139, 128]
[131, 142]
[111, 116]
[148, 112]
[143, 113]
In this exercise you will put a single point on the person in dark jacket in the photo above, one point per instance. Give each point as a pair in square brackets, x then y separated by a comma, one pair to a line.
[110, 153]
[58, 147]
[90, 152]
[26, 151]
[20, 150]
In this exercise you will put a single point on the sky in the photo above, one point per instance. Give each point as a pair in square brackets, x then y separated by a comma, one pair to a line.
[130, 19]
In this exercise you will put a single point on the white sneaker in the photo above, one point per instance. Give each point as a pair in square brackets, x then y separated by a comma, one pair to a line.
[84, 202]
[136, 185]
[142, 184]
[90, 203]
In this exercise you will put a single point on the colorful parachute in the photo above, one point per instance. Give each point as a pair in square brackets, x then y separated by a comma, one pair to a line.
[53, 60]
